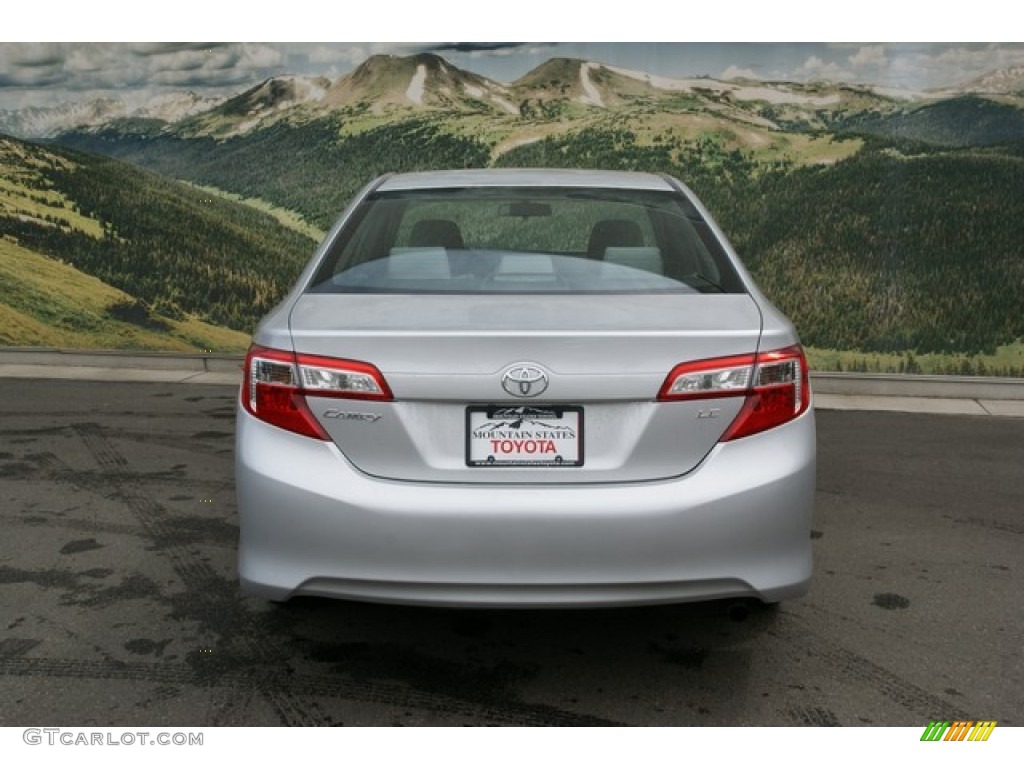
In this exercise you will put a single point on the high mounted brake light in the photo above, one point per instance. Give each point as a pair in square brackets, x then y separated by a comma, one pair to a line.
[775, 386]
[276, 383]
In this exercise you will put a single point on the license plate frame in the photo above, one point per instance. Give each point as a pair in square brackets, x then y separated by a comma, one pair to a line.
[542, 432]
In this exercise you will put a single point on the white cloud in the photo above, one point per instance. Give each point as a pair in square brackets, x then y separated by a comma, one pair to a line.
[334, 55]
[259, 56]
[869, 56]
[909, 65]
[816, 68]
[738, 73]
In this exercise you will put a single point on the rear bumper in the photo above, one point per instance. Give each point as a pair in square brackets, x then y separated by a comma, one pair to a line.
[736, 526]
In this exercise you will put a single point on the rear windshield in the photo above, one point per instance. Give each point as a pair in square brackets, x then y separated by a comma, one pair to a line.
[526, 240]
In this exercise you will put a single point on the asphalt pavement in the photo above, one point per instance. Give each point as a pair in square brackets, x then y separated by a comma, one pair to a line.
[119, 602]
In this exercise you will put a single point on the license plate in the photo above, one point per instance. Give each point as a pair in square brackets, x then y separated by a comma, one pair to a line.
[524, 436]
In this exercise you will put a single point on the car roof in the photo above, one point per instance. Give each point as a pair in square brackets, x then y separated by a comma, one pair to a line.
[524, 177]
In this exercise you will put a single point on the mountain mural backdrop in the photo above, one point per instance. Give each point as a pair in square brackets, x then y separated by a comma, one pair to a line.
[886, 224]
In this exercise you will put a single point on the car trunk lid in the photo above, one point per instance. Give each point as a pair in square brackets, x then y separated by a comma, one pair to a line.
[607, 355]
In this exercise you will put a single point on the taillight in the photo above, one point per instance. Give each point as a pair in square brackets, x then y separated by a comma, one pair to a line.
[775, 386]
[276, 383]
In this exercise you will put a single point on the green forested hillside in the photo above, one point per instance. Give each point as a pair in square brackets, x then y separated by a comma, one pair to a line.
[889, 252]
[308, 168]
[884, 251]
[961, 122]
[900, 247]
[173, 249]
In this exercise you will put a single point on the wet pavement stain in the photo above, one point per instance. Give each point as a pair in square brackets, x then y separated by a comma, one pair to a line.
[133, 587]
[12, 646]
[890, 601]
[81, 588]
[17, 470]
[178, 531]
[98, 573]
[145, 647]
[45, 579]
[160, 475]
[34, 432]
[81, 545]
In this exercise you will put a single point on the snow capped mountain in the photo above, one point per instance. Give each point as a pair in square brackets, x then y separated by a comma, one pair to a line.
[47, 122]
[261, 105]
[277, 94]
[595, 84]
[172, 107]
[559, 88]
[736, 90]
[998, 82]
[423, 81]
[44, 122]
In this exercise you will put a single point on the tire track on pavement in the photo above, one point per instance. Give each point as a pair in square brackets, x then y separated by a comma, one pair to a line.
[205, 586]
[249, 658]
[853, 666]
[306, 685]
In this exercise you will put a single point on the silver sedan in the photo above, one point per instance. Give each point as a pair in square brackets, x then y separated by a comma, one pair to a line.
[525, 388]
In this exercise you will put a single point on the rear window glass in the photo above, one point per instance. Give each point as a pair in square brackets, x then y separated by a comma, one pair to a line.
[525, 240]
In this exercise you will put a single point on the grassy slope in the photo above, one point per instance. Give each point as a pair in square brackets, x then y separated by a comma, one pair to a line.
[57, 250]
[47, 303]
[291, 219]
[650, 126]
[177, 250]
[1008, 359]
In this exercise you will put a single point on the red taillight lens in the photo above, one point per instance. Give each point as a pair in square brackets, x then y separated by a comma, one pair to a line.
[775, 384]
[276, 383]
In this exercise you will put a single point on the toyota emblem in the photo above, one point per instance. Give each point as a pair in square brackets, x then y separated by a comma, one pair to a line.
[524, 380]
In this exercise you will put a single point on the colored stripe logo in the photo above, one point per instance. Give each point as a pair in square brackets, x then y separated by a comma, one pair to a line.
[959, 730]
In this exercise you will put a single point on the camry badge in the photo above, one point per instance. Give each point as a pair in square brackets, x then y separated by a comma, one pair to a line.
[524, 380]
[334, 413]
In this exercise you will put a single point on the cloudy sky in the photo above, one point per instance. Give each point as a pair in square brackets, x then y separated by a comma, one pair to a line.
[41, 74]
